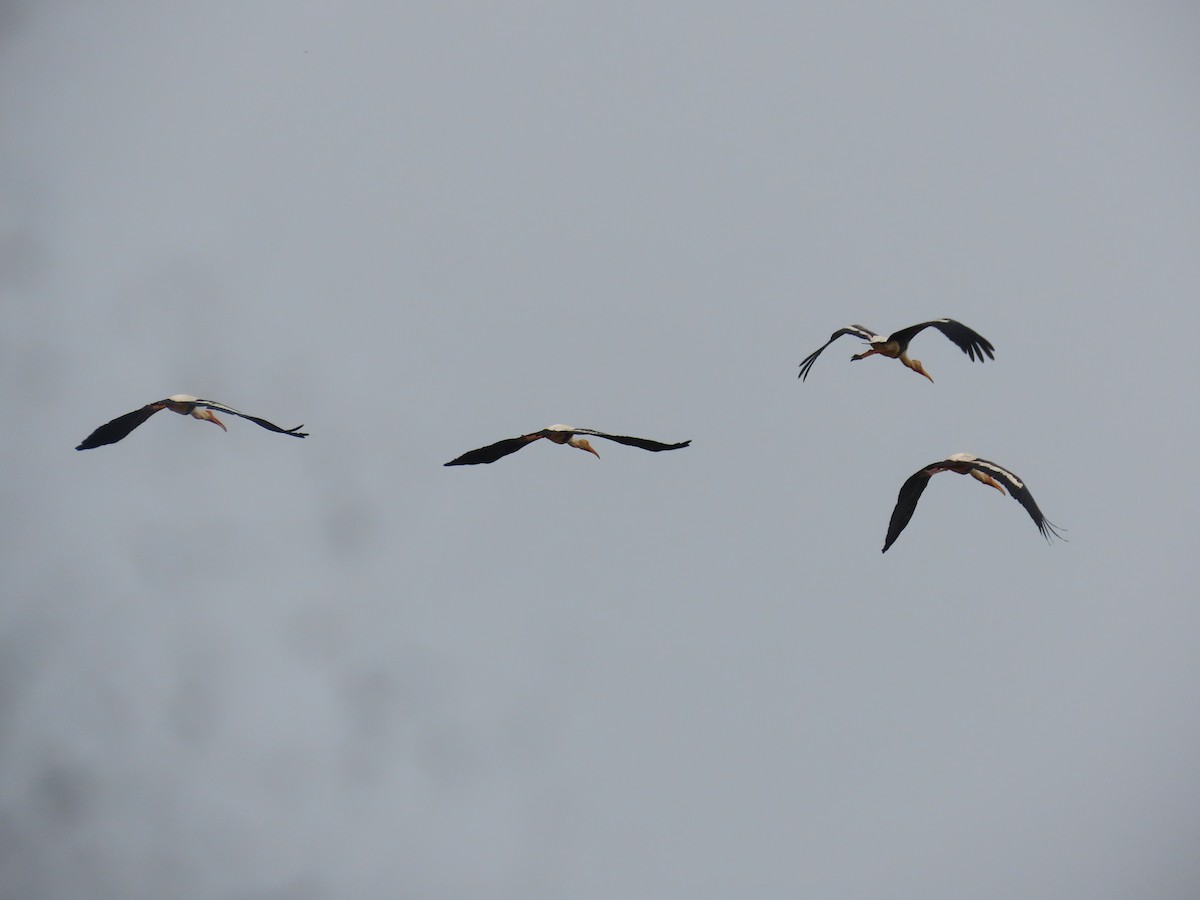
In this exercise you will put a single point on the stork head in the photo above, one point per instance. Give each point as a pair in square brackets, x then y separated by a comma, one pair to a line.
[583, 444]
[916, 366]
[988, 480]
[208, 416]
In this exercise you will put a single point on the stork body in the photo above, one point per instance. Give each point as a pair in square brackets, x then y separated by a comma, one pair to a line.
[895, 345]
[556, 434]
[983, 470]
[185, 405]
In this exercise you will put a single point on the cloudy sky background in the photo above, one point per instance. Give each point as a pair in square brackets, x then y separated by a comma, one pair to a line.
[243, 666]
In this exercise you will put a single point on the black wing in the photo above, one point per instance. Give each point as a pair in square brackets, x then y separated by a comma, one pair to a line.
[111, 432]
[857, 330]
[906, 503]
[493, 452]
[270, 426]
[969, 341]
[643, 443]
[1021, 494]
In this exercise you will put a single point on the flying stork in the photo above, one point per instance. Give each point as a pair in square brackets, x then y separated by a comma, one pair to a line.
[557, 434]
[980, 469]
[185, 405]
[895, 345]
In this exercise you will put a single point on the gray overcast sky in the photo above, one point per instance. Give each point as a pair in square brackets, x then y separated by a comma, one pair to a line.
[248, 667]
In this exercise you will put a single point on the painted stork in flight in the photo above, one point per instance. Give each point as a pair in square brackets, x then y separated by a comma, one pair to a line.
[981, 470]
[557, 434]
[185, 405]
[895, 345]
